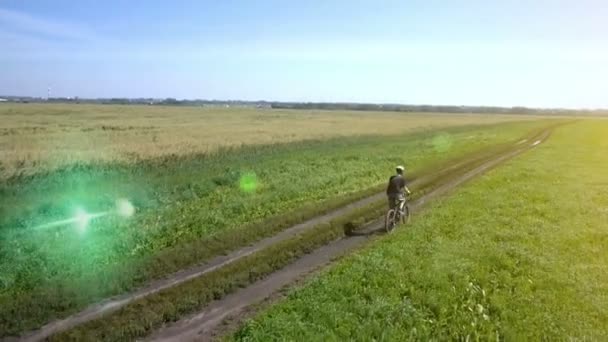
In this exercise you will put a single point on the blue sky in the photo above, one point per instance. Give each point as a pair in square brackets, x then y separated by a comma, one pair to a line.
[532, 53]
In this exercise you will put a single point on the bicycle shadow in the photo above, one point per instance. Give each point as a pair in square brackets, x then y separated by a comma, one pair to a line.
[349, 230]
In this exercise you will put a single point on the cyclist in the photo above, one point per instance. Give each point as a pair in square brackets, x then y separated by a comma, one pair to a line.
[397, 189]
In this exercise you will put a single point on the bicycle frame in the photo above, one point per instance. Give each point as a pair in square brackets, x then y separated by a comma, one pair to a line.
[400, 204]
[395, 214]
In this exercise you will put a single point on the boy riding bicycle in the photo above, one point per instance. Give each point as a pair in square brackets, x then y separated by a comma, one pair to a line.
[397, 189]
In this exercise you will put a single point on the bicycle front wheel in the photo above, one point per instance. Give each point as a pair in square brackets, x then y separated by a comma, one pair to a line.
[405, 218]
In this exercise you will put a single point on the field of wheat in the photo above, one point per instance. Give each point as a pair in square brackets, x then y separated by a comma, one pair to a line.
[41, 137]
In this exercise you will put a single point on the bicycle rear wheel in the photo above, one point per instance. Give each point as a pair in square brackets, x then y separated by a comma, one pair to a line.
[405, 218]
[389, 221]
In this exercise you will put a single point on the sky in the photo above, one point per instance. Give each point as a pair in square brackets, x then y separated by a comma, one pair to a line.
[505, 53]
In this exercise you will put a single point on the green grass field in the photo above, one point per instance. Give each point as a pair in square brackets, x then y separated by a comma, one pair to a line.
[520, 254]
[189, 207]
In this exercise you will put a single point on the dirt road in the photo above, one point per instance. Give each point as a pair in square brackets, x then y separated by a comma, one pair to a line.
[191, 328]
[204, 325]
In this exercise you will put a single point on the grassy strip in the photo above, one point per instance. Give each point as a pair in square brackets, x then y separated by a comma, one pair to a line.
[507, 258]
[143, 316]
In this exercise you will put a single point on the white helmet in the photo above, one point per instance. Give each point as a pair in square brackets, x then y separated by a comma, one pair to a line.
[400, 168]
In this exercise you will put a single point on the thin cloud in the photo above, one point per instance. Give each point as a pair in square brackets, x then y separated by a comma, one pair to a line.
[24, 23]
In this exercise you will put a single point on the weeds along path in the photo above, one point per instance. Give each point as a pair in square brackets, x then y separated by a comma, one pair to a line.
[206, 324]
[430, 185]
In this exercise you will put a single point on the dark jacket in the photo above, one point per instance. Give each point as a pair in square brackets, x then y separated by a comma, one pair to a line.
[396, 184]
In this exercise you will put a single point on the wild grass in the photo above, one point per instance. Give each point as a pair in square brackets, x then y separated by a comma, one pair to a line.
[42, 137]
[183, 202]
[519, 254]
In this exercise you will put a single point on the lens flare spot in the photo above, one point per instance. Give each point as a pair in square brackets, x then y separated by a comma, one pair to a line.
[82, 219]
[248, 182]
[442, 142]
[124, 207]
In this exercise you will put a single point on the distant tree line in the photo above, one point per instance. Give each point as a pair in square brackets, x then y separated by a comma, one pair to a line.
[426, 108]
[312, 105]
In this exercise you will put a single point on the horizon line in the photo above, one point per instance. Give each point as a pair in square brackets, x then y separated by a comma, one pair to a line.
[68, 99]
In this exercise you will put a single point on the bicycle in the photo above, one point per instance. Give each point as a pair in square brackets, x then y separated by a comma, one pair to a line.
[400, 213]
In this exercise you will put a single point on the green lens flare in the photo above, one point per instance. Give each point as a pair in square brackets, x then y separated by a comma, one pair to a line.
[442, 142]
[124, 208]
[54, 224]
[82, 219]
[248, 182]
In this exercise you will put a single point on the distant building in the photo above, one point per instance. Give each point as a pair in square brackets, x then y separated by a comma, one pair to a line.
[3, 100]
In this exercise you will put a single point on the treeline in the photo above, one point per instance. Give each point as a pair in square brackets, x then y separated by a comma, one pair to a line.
[313, 105]
[160, 102]
[419, 108]
[134, 101]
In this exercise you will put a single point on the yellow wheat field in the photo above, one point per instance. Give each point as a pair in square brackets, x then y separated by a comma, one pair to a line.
[36, 137]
